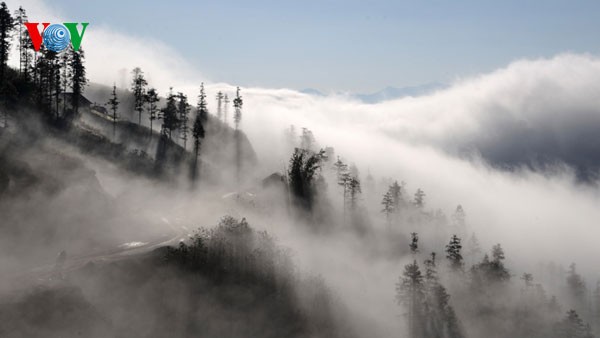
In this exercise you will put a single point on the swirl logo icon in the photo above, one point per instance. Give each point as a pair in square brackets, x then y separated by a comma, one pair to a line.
[56, 37]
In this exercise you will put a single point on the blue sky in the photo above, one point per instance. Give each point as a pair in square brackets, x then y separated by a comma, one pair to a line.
[356, 46]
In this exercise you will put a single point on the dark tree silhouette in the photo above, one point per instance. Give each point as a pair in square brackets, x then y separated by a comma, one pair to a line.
[138, 87]
[7, 25]
[453, 253]
[354, 190]
[396, 192]
[414, 243]
[237, 117]
[113, 103]
[183, 110]
[168, 114]
[237, 105]
[202, 105]
[388, 206]
[198, 134]
[25, 44]
[303, 169]
[152, 101]
[77, 76]
[410, 291]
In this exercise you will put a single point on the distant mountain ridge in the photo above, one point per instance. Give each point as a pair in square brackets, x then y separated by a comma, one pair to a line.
[388, 93]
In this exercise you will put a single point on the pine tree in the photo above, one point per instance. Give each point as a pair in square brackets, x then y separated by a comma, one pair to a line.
[138, 87]
[152, 101]
[183, 109]
[414, 243]
[24, 43]
[302, 173]
[114, 106]
[388, 206]
[396, 191]
[527, 278]
[77, 76]
[237, 105]
[573, 327]
[410, 290]
[202, 105]
[441, 320]
[48, 84]
[220, 105]
[497, 269]
[453, 254]
[7, 24]
[198, 134]
[354, 190]
[168, 114]
[419, 200]
[343, 179]
[7, 91]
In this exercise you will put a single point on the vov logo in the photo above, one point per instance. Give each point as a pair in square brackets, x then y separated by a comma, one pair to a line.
[56, 37]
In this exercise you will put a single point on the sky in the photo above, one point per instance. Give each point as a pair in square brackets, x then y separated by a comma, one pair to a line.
[348, 46]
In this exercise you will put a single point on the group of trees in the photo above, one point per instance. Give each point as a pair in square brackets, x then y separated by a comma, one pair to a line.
[235, 261]
[175, 115]
[349, 182]
[430, 314]
[44, 78]
[53, 83]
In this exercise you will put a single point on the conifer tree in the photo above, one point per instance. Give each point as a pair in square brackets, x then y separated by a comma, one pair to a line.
[7, 25]
[183, 110]
[573, 327]
[237, 105]
[453, 253]
[237, 117]
[24, 43]
[302, 174]
[152, 101]
[78, 79]
[388, 206]
[198, 134]
[498, 271]
[396, 191]
[354, 190]
[410, 290]
[419, 200]
[114, 106]
[414, 243]
[202, 105]
[168, 114]
[138, 87]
